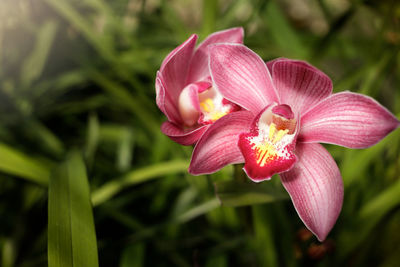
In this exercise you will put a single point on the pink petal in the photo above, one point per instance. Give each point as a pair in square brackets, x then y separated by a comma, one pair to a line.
[218, 146]
[180, 136]
[273, 61]
[164, 102]
[347, 119]
[199, 66]
[241, 76]
[174, 70]
[299, 84]
[189, 106]
[316, 188]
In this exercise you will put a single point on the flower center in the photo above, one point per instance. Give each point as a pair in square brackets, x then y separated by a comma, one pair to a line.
[213, 106]
[268, 148]
[200, 103]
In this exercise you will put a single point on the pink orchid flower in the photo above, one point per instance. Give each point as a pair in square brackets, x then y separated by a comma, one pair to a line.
[184, 90]
[289, 110]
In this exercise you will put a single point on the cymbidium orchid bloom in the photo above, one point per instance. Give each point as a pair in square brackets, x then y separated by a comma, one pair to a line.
[184, 89]
[289, 109]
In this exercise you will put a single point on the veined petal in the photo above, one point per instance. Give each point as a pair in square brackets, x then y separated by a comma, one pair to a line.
[241, 76]
[183, 137]
[199, 66]
[316, 188]
[270, 63]
[189, 106]
[174, 69]
[299, 84]
[164, 102]
[218, 146]
[268, 148]
[347, 119]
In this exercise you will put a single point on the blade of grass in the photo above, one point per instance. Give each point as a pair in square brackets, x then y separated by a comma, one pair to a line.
[197, 211]
[282, 32]
[48, 140]
[101, 42]
[124, 153]
[128, 100]
[371, 77]
[264, 236]
[210, 10]
[17, 163]
[173, 20]
[194, 212]
[1, 51]
[71, 231]
[84, 26]
[33, 65]
[92, 137]
[8, 251]
[133, 256]
[335, 28]
[362, 159]
[235, 194]
[369, 217]
[111, 188]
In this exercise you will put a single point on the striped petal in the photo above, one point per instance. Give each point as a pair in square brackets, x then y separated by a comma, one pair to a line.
[183, 137]
[299, 84]
[174, 70]
[270, 63]
[199, 67]
[164, 101]
[241, 76]
[218, 146]
[316, 188]
[347, 119]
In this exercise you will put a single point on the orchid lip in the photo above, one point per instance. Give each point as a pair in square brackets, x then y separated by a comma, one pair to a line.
[269, 147]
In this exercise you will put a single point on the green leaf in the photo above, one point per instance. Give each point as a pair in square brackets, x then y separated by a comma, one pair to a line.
[83, 24]
[92, 137]
[137, 176]
[375, 209]
[71, 231]
[362, 159]
[283, 34]
[133, 256]
[16, 163]
[218, 261]
[264, 236]
[8, 252]
[48, 140]
[210, 10]
[197, 211]
[232, 193]
[126, 99]
[369, 217]
[33, 65]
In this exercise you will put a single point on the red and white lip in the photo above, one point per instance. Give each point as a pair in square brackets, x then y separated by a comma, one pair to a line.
[269, 146]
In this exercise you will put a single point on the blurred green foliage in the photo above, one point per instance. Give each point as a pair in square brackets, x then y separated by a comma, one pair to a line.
[79, 75]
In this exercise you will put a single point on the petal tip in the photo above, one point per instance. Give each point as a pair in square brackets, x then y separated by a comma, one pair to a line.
[316, 189]
[240, 30]
[178, 135]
